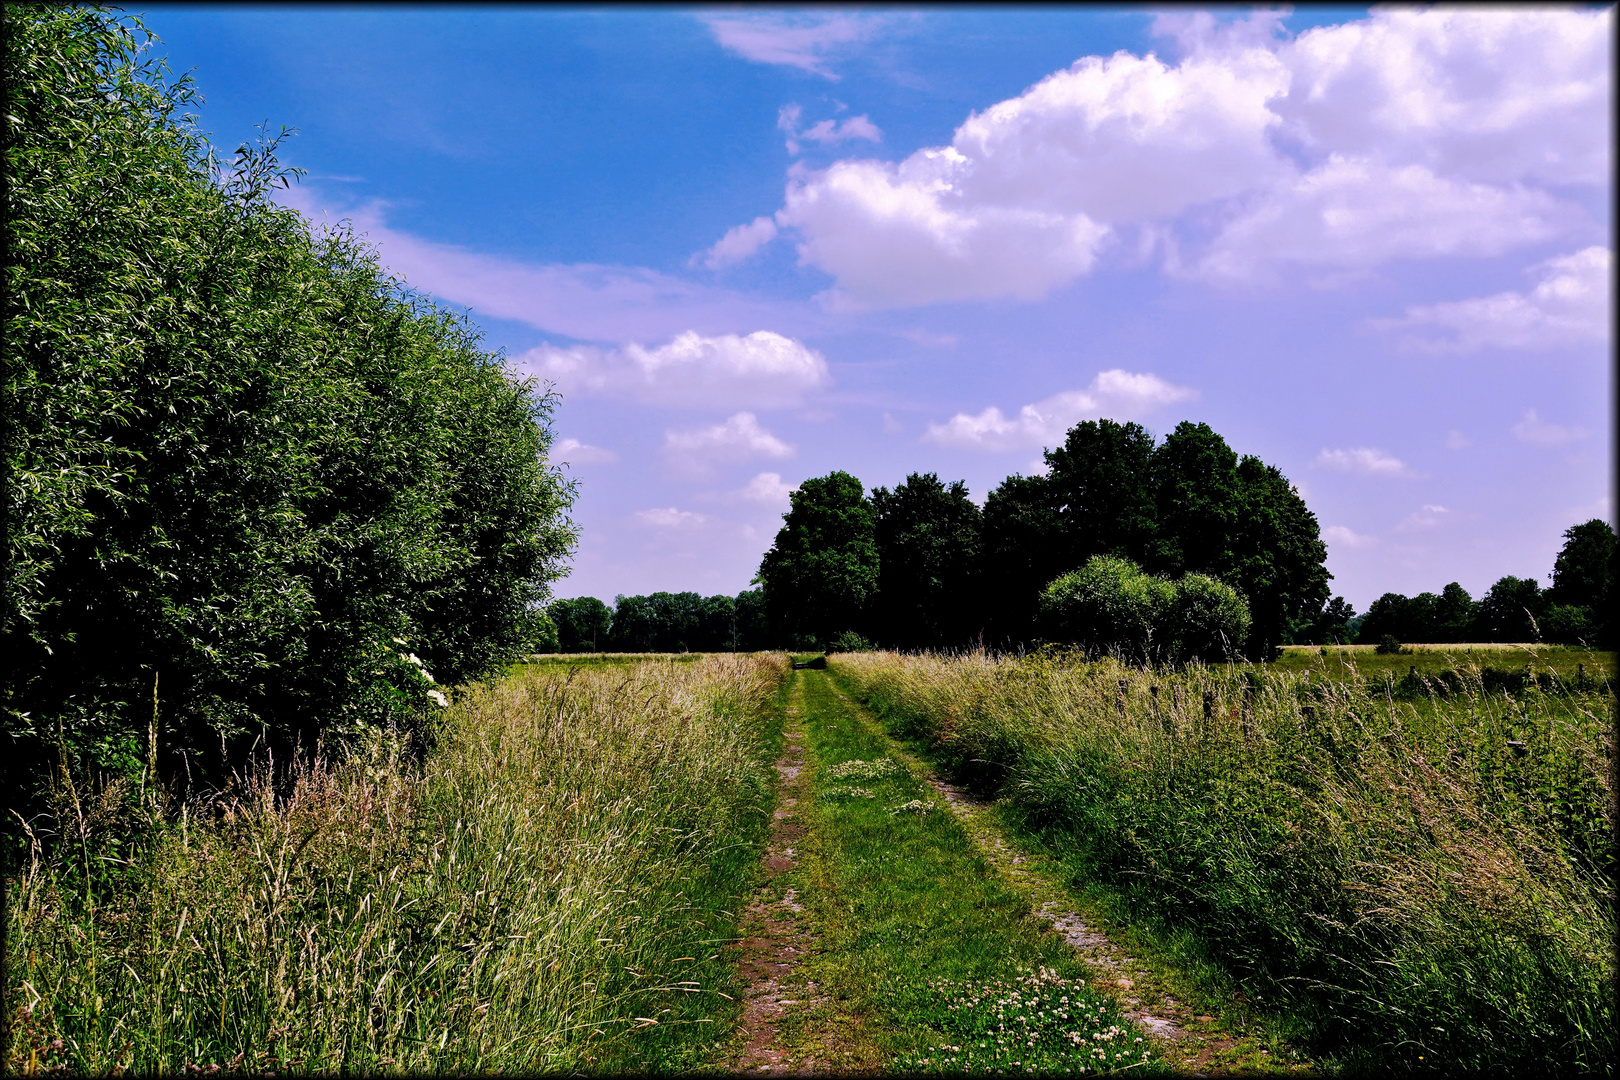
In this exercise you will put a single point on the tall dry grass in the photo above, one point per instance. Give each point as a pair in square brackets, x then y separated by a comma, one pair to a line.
[1430, 883]
[545, 891]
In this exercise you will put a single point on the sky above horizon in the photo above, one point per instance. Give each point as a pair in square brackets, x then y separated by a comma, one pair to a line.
[751, 246]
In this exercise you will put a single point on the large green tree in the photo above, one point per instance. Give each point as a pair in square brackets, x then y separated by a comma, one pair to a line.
[248, 473]
[928, 555]
[1021, 553]
[821, 573]
[1100, 482]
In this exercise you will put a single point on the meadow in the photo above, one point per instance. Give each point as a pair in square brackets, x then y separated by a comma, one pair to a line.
[547, 888]
[1419, 881]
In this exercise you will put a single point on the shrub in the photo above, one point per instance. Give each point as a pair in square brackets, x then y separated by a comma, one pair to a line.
[849, 641]
[1388, 645]
[1107, 606]
[1208, 621]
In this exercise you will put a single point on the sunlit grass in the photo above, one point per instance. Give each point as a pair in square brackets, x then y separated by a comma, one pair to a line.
[1429, 882]
[548, 890]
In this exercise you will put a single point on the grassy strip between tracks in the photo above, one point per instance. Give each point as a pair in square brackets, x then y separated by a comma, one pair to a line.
[918, 935]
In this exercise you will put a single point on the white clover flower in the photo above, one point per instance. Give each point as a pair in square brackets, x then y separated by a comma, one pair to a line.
[443, 702]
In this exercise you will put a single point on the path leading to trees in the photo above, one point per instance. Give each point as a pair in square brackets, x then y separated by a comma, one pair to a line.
[865, 910]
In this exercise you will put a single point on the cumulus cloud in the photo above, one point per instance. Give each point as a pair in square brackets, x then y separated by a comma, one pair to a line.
[803, 41]
[669, 518]
[740, 438]
[1362, 461]
[1571, 304]
[824, 132]
[1538, 432]
[768, 488]
[761, 370]
[575, 452]
[1356, 213]
[1405, 135]
[1344, 536]
[1116, 394]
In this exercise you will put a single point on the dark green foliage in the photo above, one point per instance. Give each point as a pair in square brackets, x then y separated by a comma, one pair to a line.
[1021, 555]
[582, 623]
[820, 575]
[1277, 556]
[1100, 482]
[1197, 497]
[244, 466]
[753, 629]
[1389, 645]
[1584, 570]
[1508, 611]
[928, 548]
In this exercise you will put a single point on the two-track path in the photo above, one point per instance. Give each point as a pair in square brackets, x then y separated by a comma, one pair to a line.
[788, 1028]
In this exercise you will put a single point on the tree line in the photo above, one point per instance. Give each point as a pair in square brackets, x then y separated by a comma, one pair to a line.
[923, 566]
[1575, 610]
[256, 488]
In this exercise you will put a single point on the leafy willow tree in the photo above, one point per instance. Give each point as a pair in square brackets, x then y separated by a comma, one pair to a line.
[1112, 606]
[821, 574]
[249, 476]
[928, 556]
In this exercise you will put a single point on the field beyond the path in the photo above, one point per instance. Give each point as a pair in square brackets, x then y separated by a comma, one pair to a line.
[1423, 879]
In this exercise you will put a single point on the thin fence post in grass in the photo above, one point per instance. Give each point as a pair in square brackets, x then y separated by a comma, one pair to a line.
[1119, 702]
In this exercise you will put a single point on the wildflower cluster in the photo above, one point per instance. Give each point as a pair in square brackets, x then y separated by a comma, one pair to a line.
[848, 793]
[875, 769]
[1039, 1023]
[915, 806]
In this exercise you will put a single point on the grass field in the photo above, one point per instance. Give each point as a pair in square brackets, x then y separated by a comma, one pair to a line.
[1421, 884]
[548, 890]
[1566, 664]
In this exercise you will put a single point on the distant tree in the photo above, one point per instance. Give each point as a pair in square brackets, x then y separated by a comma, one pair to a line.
[582, 623]
[1021, 552]
[928, 552]
[1330, 626]
[1509, 611]
[753, 628]
[1278, 559]
[821, 573]
[716, 625]
[1387, 615]
[1583, 573]
[1197, 498]
[1454, 614]
[1100, 482]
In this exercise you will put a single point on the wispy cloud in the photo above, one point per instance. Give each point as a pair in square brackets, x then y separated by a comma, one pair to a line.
[1344, 536]
[1363, 461]
[760, 370]
[1115, 393]
[585, 301]
[824, 132]
[805, 41]
[1571, 304]
[669, 518]
[575, 452]
[696, 451]
[1538, 432]
[1429, 517]
[739, 243]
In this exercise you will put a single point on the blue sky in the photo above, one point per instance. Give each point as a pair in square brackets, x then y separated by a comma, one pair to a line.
[750, 246]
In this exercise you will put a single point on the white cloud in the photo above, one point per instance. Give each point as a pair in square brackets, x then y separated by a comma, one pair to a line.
[1571, 304]
[669, 517]
[824, 132]
[1538, 432]
[768, 488]
[1346, 537]
[762, 370]
[1408, 134]
[575, 452]
[1115, 393]
[801, 41]
[1493, 94]
[1363, 461]
[585, 301]
[739, 438]
[739, 243]
[1427, 518]
[1456, 440]
[1355, 213]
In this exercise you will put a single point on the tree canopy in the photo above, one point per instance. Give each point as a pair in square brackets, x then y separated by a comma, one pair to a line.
[821, 573]
[253, 482]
